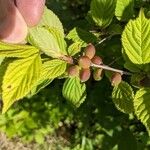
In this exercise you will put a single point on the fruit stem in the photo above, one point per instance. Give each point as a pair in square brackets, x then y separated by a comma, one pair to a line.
[103, 40]
[105, 67]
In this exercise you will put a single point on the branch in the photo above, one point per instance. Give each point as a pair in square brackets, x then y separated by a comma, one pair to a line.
[105, 67]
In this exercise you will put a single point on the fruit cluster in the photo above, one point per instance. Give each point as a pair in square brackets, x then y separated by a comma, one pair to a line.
[82, 68]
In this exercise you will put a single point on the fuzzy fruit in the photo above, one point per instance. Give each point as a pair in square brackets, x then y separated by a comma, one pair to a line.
[84, 62]
[13, 28]
[73, 70]
[116, 79]
[85, 75]
[31, 10]
[97, 60]
[98, 74]
[90, 51]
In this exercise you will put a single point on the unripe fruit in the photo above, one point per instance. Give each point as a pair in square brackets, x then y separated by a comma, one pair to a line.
[84, 62]
[97, 60]
[98, 74]
[90, 51]
[85, 75]
[31, 10]
[116, 79]
[13, 28]
[73, 70]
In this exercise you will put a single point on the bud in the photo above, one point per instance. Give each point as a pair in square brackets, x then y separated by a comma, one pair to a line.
[98, 74]
[97, 60]
[84, 62]
[85, 75]
[116, 79]
[73, 70]
[68, 59]
[90, 51]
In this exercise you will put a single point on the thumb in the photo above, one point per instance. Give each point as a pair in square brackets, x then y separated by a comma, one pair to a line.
[13, 28]
[31, 10]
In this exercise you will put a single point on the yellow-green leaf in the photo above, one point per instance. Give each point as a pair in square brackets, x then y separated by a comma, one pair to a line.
[41, 38]
[74, 91]
[16, 50]
[124, 9]
[59, 39]
[54, 68]
[135, 40]
[122, 97]
[50, 70]
[142, 106]
[19, 78]
[82, 36]
[50, 20]
[74, 48]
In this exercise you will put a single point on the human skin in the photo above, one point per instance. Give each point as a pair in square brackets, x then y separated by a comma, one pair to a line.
[31, 10]
[16, 16]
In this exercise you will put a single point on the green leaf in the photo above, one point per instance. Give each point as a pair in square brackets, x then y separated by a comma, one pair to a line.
[130, 65]
[54, 68]
[74, 48]
[142, 106]
[103, 11]
[124, 9]
[74, 91]
[135, 40]
[122, 97]
[14, 50]
[60, 40]
[19, 78]
[45, 41]
[82, 36]
[50, 70]
[41, 84]
[50, 20]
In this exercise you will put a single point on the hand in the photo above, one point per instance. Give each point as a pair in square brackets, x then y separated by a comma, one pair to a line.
[16, 16]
